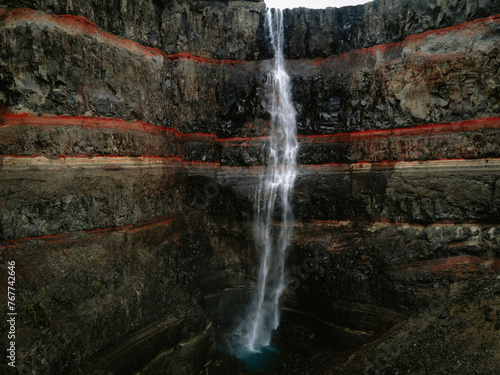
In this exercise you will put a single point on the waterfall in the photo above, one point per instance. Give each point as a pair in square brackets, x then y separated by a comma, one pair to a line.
[273, 198]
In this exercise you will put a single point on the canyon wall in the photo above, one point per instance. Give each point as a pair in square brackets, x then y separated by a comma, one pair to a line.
[132, 138]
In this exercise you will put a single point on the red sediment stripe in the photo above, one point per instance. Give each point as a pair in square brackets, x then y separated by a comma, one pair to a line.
[14, 119]
[60, 237]
[466, 28]
[81, 25]
[132, 227]
[354, 54]
[419, 130]
[203, 60]
[8, 119]
[429, 130]
[48, 237]
[457, 264]
[363, 221]
[79, 156]
[211, 137]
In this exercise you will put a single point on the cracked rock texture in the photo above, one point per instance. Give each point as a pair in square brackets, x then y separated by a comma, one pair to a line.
[323, 32]
[220, 29]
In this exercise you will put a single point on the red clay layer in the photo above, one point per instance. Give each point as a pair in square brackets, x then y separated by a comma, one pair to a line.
[8, 119]
[466, 28]
[15, 119]
[81, 25]
[60, 237]
[458, 264]
[419, 130]
[355, 54]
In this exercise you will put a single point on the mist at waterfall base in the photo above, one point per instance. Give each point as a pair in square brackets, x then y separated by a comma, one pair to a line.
[273, 198]
[312, 4]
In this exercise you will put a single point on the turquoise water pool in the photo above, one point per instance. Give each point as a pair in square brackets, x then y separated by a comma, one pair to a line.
[265, 359]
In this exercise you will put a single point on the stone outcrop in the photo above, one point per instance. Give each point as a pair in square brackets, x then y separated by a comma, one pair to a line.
[132, 136]
[325, 32]
[427, 78]
[424, 343]
[119, 78]
[222, 30]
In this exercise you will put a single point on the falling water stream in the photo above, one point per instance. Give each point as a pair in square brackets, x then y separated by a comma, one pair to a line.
[273, 199]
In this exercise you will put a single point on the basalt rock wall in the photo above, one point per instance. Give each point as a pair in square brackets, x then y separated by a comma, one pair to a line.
[111, 236]
[324, 32]
[219, 29]
[132, 136]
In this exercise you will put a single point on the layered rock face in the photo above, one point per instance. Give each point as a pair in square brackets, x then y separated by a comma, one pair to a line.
[132, 135]
[109, 233]
[322, 33]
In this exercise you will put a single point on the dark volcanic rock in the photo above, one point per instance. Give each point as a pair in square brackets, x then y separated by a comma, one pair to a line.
[338, 266]
[463, 342]
[132, 138]
[107, 77]
[427, 78]
[108, 302]
[224, 30]
[439, 191]
[87, 196]
[323, 32]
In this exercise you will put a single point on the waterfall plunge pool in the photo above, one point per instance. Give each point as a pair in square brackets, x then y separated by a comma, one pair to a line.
[302, 344]
[266, 359]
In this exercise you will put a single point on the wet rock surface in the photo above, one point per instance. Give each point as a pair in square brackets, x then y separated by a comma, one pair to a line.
[303, 344]
[458, 336]
[304, 348]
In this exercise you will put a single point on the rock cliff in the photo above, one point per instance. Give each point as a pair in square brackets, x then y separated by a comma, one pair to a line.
[132, 135]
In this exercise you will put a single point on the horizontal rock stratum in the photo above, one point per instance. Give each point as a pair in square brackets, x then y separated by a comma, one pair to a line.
[131, 141]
